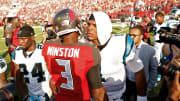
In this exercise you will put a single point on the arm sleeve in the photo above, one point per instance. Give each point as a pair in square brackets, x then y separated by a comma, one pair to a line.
[44, 53]
[152, 72]
[94, 78]
[93, 75]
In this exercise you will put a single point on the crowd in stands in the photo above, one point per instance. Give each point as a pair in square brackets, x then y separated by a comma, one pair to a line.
[35, 11]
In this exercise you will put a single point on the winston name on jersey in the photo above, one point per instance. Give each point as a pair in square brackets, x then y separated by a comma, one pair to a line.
[34, 70]
[66, 52]
[69, 65]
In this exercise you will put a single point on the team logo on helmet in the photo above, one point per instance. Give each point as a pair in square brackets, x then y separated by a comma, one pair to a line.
[72, 16]
[65, 22]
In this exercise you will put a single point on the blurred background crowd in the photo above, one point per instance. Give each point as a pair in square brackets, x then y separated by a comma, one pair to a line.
[37, 11]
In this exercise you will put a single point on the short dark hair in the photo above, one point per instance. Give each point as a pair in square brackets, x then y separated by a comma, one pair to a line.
[140, 28]
[91, 17]
[159, 14]
[48, 25]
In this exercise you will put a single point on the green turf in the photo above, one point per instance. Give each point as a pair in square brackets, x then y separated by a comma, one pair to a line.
[117, 30]
[4, 50]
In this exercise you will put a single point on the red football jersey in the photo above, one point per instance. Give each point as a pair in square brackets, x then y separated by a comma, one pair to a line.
[14, 37]
[68, 66]
[16, 43]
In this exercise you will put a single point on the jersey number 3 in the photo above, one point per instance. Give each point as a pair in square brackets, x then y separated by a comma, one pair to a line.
[67, 74]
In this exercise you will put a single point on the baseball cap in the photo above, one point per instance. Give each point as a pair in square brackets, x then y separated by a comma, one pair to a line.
[26, 31]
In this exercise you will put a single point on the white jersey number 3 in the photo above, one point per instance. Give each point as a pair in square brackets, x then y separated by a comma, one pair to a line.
[67, 74]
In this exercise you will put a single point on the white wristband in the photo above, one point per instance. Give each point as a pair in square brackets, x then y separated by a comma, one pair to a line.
[141, 98]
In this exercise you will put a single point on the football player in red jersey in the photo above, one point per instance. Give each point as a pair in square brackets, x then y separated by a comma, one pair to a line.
[74, 66]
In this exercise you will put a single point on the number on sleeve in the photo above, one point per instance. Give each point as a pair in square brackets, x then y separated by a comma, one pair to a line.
[67, 74]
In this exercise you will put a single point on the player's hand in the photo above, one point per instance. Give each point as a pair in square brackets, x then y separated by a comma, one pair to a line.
[174, 90]
[12, 46]
[53, 87]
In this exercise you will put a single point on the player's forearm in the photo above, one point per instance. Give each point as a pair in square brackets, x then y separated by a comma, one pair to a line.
[141, 84]
[174, 90]
[9, 43]
[19, 81]
[106, 97]
[3, 80]
[171, 98]
[2, 84]
[99, 94]
[12, 46]
[21, 87]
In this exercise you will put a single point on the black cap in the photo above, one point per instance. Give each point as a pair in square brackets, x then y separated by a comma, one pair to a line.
[25, 31]
[91, 17]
